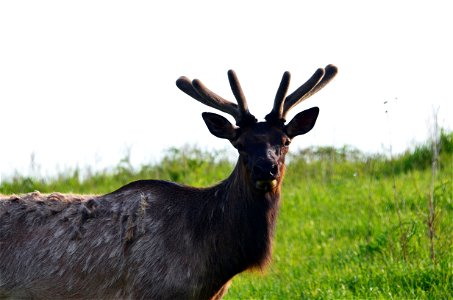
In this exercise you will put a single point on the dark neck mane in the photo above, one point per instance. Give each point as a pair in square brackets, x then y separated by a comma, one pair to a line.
[253, 214]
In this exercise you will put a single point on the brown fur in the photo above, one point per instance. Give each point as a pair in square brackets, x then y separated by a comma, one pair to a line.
[133, 243]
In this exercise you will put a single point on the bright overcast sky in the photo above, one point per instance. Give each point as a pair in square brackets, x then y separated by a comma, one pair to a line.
[83, 81]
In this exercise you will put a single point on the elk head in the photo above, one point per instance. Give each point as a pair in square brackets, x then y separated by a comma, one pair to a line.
[262, 146]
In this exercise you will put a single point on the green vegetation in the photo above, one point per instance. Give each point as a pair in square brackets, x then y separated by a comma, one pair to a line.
[350, 225]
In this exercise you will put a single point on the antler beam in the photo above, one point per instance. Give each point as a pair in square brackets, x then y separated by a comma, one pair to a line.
[197, 90]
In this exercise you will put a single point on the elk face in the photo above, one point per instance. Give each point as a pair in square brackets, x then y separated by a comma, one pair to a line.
[262, 149]
[262, 146]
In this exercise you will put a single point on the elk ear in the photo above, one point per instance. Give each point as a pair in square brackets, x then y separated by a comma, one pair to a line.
[302, 123]
[219, 126]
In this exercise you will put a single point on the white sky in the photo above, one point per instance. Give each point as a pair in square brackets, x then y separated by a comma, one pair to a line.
[83, 81]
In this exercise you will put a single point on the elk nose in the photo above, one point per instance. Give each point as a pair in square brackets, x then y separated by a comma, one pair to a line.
[274, 170]
[266, 171]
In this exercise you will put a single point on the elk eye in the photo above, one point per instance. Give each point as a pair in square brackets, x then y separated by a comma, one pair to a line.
[287, 142]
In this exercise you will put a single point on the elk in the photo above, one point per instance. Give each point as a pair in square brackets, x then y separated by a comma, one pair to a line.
[153, 239]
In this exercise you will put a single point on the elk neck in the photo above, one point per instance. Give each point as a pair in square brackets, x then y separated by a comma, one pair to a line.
[247, 218]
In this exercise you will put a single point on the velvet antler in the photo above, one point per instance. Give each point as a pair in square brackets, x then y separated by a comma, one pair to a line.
[199, 92]
[316, 82]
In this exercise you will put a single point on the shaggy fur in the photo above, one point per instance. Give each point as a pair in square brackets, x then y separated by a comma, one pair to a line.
[134, 243]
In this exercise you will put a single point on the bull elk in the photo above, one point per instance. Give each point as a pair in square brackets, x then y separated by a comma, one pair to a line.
[154, 239]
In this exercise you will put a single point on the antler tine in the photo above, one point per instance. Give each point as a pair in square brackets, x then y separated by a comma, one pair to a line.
[318, 80]
[277, 111]
[297, 96]
[246, 117]
[329, 73]
[185, 85]
[237, 92]
[199, 92]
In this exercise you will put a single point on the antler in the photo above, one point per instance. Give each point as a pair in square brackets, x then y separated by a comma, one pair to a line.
[316, 82]
[276, 115]
[199, 92]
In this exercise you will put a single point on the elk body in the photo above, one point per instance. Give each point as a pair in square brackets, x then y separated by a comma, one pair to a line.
[153, 239]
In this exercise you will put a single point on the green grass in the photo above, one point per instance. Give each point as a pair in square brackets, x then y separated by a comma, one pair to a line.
[343, 239]
[350, 225]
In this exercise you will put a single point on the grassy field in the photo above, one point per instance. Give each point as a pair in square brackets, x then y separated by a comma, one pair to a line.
[350, 225]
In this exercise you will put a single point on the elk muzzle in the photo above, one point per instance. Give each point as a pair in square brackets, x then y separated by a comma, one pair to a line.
[265, 174]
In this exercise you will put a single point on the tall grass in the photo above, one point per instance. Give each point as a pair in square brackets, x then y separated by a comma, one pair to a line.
[340, 233]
